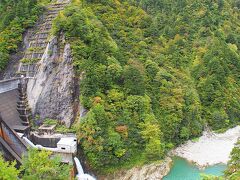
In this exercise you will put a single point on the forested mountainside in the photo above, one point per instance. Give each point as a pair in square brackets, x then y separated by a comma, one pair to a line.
[15, 17]
[154, 73]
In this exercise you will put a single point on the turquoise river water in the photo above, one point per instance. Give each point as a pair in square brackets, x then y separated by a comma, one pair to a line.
[183, 170]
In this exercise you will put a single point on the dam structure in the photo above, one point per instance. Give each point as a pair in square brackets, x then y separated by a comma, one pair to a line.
[14, 118]
[16, 134]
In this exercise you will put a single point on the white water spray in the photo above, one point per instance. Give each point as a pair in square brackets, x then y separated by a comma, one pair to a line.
[81, 175]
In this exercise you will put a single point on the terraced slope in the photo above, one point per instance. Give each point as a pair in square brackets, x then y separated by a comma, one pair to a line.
[38, 40]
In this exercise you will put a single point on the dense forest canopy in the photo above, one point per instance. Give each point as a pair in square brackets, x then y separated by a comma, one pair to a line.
[154, 73]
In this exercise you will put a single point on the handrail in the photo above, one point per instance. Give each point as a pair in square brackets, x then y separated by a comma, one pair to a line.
[11, 79]
[9, 84]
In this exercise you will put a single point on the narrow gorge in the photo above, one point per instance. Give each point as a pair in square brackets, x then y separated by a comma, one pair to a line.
[136, 89]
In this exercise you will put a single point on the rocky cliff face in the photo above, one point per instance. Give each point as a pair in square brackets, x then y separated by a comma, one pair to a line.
[152, 171]
[53, 90]
[51, 93]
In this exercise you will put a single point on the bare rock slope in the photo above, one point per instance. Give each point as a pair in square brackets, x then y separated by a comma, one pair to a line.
[51, 92]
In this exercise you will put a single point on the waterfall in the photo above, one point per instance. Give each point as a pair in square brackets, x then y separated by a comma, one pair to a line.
[81, 175]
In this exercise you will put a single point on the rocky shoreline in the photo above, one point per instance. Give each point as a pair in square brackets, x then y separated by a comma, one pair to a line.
[210, 149]
[153, 171]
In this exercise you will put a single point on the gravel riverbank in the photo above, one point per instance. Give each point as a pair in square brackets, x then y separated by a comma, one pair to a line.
[210, 149]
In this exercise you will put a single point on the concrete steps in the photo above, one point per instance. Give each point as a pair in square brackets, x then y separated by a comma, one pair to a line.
[39, 39]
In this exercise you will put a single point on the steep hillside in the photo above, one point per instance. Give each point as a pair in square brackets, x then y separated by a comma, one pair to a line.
[15, 17]
[154, 73]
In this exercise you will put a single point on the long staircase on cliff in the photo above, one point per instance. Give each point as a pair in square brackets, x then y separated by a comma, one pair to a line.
[38, 40]
[15, 114]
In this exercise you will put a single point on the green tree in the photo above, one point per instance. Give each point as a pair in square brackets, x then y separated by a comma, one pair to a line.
[151, 133]
[233, 170]
[177, 61]
[8, 170]
[210, 177]
[41, 165]
[133, 80]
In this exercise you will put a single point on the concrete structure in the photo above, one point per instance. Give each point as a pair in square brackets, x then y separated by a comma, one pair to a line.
[13, 105]
[46, 129]
[57, 93]
[15, 129]
[66, 148]
[68, 145]
[14, 109]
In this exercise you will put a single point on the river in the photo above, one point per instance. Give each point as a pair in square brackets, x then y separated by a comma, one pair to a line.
[183, 170]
